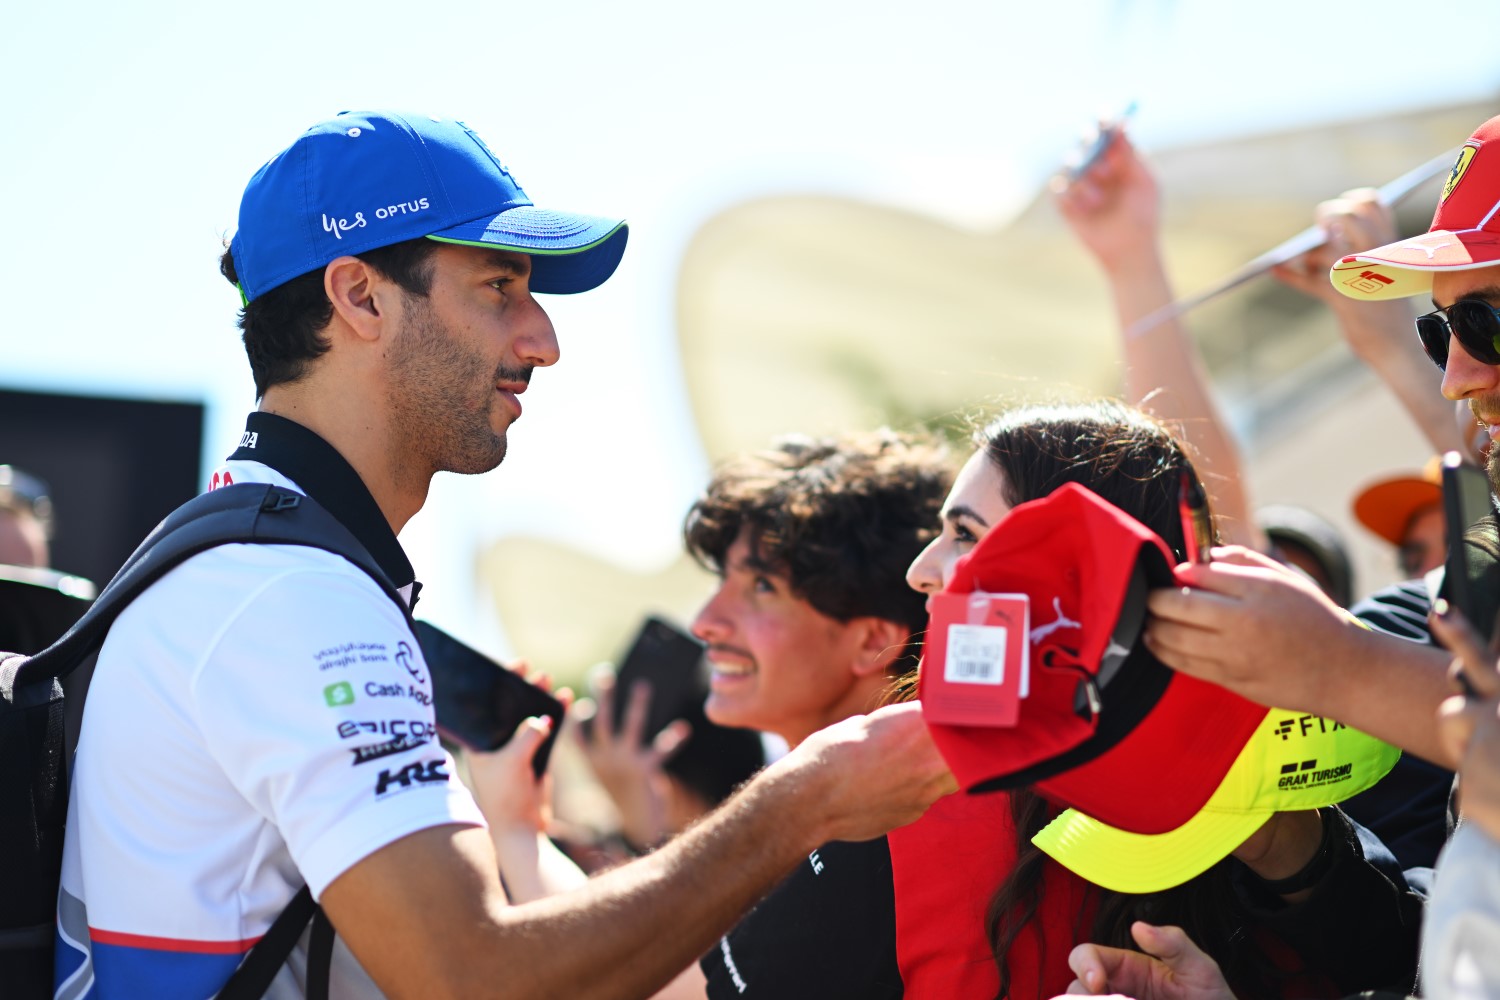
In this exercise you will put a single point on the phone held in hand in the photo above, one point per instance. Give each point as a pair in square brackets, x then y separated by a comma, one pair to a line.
[1473, 541]
[671, 661]
[479, 703]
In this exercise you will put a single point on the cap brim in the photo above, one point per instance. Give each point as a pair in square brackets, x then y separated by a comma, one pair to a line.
[569, 253]
[1387, 507]
[1126, 861]
[1137, 862]
[1405, 268]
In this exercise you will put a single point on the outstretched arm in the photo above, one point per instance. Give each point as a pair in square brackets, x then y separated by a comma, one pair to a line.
[1114, 210]
[426, 917]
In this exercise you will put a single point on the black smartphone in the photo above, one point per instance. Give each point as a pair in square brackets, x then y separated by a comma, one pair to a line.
[478, 702]
[669, 659]
[1472, 542]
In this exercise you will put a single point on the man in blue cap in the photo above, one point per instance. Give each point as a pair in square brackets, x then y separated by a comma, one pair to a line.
[260, 719]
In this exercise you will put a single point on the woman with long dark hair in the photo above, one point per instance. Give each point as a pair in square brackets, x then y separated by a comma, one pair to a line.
[1308, 906]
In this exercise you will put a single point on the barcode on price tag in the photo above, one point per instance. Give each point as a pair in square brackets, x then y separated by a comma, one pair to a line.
[976, 654]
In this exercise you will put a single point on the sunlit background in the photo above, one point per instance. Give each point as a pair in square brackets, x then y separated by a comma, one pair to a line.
[837, 220]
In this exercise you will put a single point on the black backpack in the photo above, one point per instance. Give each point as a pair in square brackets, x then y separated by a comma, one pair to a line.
[33, 768]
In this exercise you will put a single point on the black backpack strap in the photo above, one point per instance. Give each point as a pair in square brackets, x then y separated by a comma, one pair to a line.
[319, 956]
[245, 512]
[254, 975]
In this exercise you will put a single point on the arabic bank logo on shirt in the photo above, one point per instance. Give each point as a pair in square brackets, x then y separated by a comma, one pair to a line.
[338, 695]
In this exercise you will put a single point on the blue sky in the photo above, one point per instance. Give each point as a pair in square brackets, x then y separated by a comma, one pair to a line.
[132, 128]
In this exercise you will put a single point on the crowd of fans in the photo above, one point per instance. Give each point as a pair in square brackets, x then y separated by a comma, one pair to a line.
[831, 554]
[997, 917]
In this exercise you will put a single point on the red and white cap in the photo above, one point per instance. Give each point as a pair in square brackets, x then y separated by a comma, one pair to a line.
[1465, 231]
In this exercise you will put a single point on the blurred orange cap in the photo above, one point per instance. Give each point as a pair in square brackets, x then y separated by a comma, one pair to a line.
[1387, 506]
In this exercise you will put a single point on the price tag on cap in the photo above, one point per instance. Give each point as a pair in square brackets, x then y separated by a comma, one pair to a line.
[976, 667]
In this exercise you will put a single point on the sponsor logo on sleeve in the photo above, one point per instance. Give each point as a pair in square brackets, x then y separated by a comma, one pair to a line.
[425, 772]
[375, 751]
[339, 695]
[405, 657]
[375, 689]
[349, 654]
[421, 729]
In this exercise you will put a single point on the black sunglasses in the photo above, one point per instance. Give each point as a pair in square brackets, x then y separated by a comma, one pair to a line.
[1475, 323]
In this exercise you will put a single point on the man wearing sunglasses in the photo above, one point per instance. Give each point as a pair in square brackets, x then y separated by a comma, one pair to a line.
[1247, 625]
[1457, 262]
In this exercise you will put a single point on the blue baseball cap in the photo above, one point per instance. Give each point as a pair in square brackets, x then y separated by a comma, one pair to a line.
[367, 179]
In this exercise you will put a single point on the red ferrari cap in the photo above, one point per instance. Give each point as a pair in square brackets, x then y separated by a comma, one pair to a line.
[1105, 724]
[1465, 231]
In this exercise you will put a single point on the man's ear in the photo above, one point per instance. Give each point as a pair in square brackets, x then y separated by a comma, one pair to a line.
[881, 642]
[358, 293]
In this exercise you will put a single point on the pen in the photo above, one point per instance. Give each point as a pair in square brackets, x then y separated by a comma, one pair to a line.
[1099, 144]
[1197, 532]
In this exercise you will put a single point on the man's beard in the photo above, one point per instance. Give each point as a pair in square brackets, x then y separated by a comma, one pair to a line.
[440, 402]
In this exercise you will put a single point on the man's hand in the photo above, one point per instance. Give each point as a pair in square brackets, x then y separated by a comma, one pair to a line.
[869, 774]
[1268, 634]
[1172, 968]
[1249, 624]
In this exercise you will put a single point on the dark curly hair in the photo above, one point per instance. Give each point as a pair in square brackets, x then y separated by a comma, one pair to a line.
[283, 327]
[841, 517]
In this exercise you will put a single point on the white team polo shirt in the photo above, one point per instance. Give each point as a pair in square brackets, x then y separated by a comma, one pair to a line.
[258, 719]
